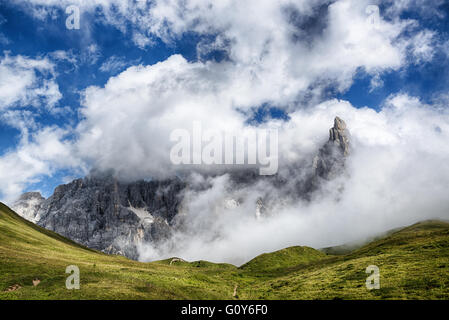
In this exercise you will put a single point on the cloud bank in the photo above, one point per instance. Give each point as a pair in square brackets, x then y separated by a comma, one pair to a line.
[391, 181]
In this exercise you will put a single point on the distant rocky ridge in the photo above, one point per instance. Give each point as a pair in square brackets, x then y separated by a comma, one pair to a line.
[105, 214]
[113, 216]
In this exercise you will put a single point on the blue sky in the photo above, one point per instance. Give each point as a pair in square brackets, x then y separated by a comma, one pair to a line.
[28, 36]
[87, 52]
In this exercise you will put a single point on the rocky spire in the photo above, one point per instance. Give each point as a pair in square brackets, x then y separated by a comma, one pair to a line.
[339, 136]
[330, 158]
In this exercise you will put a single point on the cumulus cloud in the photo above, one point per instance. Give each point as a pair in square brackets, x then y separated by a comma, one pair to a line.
[280, 54]
[287, 46]
[147, 103]
[27, 82]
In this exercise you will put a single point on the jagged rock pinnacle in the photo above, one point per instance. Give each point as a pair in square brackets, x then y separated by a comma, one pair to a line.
[330, 159]
[339, 135]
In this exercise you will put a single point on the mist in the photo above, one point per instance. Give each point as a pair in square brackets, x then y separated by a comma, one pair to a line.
[396, 174]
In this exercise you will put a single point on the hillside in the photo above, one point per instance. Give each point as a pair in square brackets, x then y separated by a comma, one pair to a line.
[413, 262]
[288, 257]
[28, 252]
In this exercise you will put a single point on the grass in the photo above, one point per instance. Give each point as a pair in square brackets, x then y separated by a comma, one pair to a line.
[275, 262]
[413, 262]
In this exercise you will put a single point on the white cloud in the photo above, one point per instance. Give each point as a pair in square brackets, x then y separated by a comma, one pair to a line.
[422, 47]
[281, 51]
[392, 181]
[288, 46]
[264, 66]
[27, 82]
[147, 103]
[28, 88]
[274, 41]
[40, 153]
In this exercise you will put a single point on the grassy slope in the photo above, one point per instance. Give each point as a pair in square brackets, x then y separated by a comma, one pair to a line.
[414, 263]
[28, 251]
[274, 262]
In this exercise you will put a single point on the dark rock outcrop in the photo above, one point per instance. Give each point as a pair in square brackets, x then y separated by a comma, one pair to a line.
[104, 214]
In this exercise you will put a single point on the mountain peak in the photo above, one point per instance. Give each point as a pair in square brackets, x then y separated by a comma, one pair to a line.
[339, 124]
[31, 195]
[339, 135]
[330, 159]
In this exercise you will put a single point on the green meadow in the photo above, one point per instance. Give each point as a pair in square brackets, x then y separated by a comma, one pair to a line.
[413, 263]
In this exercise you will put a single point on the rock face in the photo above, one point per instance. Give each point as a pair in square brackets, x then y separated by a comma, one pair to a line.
[339, 135]
[331, 157]
[103, 213]
[28, 205]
